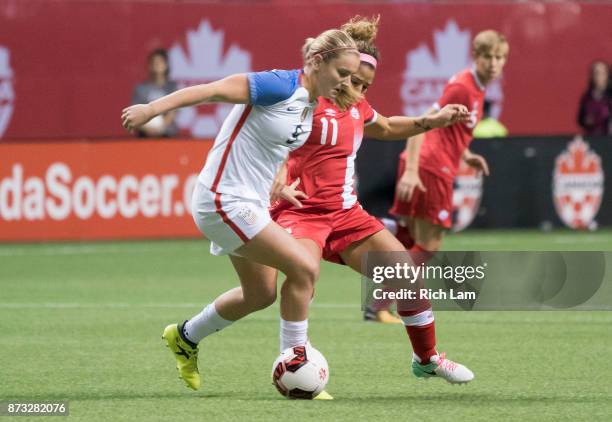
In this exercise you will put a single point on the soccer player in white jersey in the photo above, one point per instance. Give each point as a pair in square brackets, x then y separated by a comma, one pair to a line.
[272, 116]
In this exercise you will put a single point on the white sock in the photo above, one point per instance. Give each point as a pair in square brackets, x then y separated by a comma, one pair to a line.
[293, 333]
[423, 318]
[204, 324]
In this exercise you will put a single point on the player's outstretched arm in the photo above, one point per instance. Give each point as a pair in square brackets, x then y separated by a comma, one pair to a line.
[233, 89]
[401, 127]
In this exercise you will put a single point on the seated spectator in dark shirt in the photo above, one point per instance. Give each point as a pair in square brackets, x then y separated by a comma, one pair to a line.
[595, 113]
[155, 87]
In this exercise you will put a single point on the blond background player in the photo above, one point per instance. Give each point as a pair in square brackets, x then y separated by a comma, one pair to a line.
[428, 166]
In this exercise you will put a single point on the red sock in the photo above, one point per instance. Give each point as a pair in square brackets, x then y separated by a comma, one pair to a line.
[423, 340]
[421, 327]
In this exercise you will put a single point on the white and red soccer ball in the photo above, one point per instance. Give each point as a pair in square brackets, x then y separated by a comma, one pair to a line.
[300, 372]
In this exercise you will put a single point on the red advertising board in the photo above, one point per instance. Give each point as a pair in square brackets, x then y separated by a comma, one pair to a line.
[98, 190]
[68, 67]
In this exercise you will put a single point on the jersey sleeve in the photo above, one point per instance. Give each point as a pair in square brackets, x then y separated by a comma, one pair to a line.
[271, 87]
[369, 114]
[454, 94]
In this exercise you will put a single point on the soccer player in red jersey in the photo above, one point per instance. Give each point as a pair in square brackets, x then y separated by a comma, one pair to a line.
[330, 222]
[423, 199]
[428, 166]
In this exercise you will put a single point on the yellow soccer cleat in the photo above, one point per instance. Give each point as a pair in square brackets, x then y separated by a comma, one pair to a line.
[386, 317]
[323, 395]
[186, 355]
[383, 316]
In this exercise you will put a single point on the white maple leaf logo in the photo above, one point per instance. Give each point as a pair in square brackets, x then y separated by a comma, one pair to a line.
[7, 95]
[451, 49]
[204, 60]
[428, 72]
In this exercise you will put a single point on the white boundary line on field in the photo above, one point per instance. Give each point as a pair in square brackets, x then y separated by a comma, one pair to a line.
[88, 250]
[102, 248]
[119, 305]
[558, 239]
[355, 306]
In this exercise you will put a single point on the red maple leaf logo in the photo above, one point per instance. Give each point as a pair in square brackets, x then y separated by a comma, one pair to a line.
[578, 159]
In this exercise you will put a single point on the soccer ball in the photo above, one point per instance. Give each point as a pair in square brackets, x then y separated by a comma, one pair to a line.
[300, 372]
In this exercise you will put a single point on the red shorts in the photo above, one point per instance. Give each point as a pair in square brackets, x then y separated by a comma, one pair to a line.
[333, 231]
[435, 205]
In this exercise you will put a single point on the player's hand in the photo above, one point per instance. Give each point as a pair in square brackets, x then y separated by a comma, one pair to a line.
[450, 114]
[406, 185]
[277, 188]
[134, 116]
[291, 194]
[478, 162]
[280, 180]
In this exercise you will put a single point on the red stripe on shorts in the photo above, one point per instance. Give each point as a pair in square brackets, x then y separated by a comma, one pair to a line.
[227, 220]
[232, 138]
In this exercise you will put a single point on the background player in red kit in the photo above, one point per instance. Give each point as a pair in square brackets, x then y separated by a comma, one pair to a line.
[423, 199]
[429, 164]
[330, 222]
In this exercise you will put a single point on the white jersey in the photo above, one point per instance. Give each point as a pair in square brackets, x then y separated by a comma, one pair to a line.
[256, 138]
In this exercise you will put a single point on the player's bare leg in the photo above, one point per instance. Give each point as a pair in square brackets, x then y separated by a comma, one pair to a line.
[272, 248]
[377, 310]
[294, 332]
[426, 235]
[257, 290]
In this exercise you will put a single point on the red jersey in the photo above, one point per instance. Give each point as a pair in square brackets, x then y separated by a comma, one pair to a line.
[442, 149]
[326, 162]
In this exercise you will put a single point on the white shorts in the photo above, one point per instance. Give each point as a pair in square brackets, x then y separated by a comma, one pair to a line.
[228, 221]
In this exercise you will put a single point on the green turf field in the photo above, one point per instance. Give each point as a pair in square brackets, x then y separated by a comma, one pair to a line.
[82, 322]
